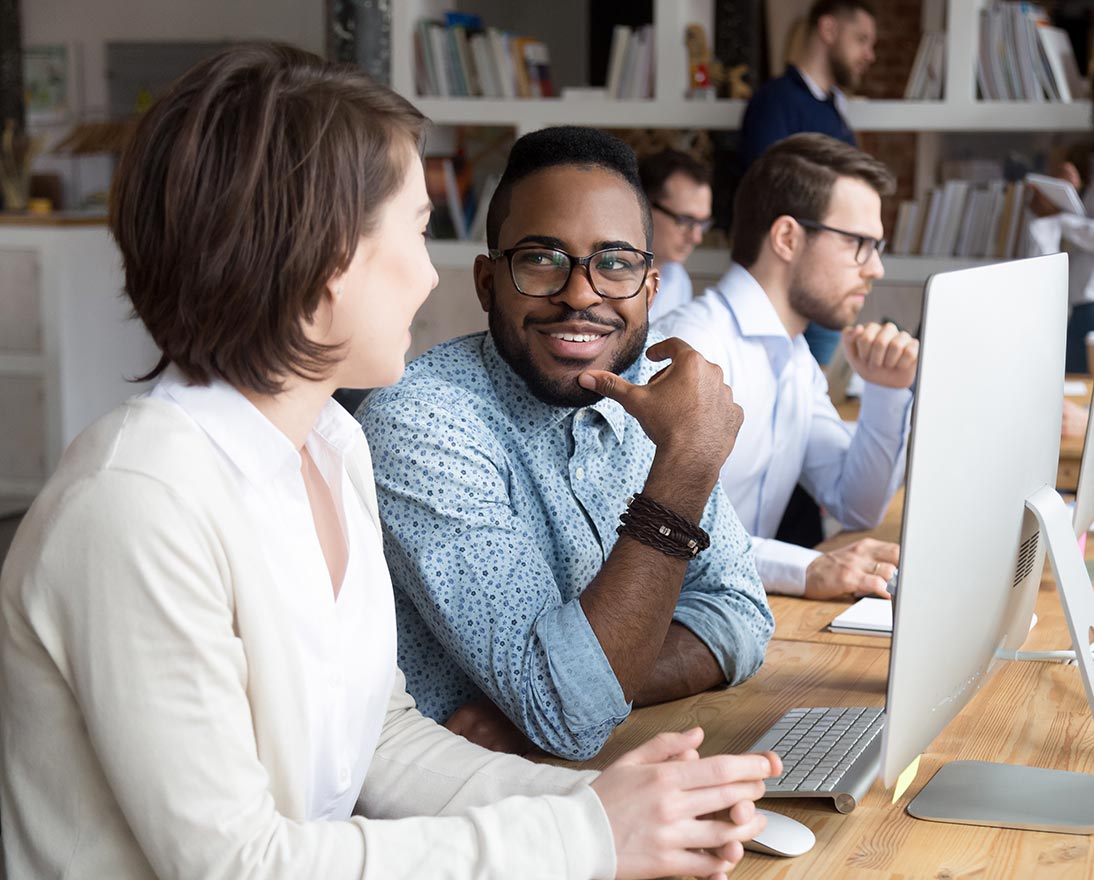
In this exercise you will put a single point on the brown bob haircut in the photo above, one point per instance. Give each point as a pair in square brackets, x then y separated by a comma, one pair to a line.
[245, 189]
[794, 177]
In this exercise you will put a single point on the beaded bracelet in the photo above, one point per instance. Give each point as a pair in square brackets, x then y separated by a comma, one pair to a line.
[658, 527]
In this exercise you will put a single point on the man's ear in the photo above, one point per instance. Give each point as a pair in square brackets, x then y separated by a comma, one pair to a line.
[828, 29]
[484, 281]
[653, 285]
[785, 238]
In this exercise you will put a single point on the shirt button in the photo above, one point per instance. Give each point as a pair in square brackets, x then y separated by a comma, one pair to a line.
[579, 415]
[343, 776]
[580, 473]
[336, 680]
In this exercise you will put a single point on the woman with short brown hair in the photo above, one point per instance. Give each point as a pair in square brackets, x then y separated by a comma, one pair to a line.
[197, 669]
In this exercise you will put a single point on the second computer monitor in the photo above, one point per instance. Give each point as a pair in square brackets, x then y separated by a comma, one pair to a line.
[985, 440]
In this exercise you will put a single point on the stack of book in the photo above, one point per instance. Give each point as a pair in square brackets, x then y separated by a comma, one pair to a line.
[964, 218]
[1022, 57]
[458, 57]
[630, 63]
[459, 212]
[925, 80]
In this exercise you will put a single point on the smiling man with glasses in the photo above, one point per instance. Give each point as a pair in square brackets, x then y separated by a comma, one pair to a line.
[558, 543]
[807, 246]
[678, 188]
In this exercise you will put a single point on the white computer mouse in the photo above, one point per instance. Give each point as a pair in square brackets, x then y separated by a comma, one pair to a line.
[783, 836]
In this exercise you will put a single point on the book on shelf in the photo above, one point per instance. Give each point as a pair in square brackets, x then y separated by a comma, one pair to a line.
[537, 60]
[1059, 55]
[1021, 56]
[925, 80]
[973, 219]
[477, 230]
[617, 54]
[459, 57]
[631, 63]
[460, 197]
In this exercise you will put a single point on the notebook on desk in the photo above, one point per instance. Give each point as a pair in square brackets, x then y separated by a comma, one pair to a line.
[868, 616]
[874, 617]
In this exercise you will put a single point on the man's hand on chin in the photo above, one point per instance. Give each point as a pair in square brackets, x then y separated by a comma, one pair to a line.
[882, 354]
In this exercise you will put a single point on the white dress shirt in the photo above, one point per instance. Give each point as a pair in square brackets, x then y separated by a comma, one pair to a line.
[792, 432]
[1073, 233]
[347, 644]
[673, 291]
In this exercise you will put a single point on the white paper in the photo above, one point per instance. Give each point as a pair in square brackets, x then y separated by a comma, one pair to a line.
[869, 616]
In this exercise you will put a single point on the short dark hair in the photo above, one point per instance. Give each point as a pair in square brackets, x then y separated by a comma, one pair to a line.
[794, 177]
[838, 8]
[565, 145]
[245, 189]
[656, 168]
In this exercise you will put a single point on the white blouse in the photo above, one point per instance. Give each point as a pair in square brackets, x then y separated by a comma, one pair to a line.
[347, 644]
[170, 700]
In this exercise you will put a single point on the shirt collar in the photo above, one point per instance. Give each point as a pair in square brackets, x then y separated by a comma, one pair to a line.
[524, 408]
[750, 305]
[252, 443]
[814, 89]
[838, 98]
[756, 317]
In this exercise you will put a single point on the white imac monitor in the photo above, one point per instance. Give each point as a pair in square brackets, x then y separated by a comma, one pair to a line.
[980, 511]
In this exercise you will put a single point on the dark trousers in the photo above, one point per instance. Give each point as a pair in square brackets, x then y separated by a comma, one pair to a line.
[1079, 324]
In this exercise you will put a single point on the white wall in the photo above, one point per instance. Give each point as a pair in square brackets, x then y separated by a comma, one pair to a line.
[85, 26]
[92, 23]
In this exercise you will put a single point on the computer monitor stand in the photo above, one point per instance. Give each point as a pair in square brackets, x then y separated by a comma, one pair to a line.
[1012, 796]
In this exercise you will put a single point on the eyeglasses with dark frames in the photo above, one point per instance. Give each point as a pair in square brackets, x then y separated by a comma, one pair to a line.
[865, 244]
[685, 221]
[541, 271]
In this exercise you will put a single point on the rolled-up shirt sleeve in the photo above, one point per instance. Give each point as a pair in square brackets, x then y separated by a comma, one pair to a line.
[462, 554]
[722, 600]
[782, 566]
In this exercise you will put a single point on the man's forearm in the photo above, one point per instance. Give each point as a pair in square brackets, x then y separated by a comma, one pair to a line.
[630, 602]
[685, 666]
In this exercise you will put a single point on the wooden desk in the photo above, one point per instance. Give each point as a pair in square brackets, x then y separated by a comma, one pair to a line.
[1071, 448]
[1029, 713]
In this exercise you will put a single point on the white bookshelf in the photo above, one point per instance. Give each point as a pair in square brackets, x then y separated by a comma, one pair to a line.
[67, 343]
[959, 111]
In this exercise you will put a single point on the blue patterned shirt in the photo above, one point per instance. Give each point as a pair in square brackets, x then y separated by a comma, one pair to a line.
[498, 510]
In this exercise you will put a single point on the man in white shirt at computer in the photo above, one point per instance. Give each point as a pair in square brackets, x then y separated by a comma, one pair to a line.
[678, 188]
[807, 243]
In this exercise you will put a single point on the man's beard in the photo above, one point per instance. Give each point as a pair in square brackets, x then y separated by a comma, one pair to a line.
[842, 73]
[818, 309]
[561, 392]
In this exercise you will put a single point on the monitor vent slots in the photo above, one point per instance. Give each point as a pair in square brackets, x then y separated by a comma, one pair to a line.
[1027, 553]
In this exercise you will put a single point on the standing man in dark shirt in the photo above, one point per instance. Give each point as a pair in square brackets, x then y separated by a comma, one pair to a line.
[839, 49]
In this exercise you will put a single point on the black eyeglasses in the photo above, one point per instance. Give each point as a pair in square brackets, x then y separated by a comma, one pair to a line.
[866, 244]
[685, 221]
[614, 273]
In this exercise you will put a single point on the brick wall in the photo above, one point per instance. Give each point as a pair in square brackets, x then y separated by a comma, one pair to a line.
[898, 35]
[899, 31]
